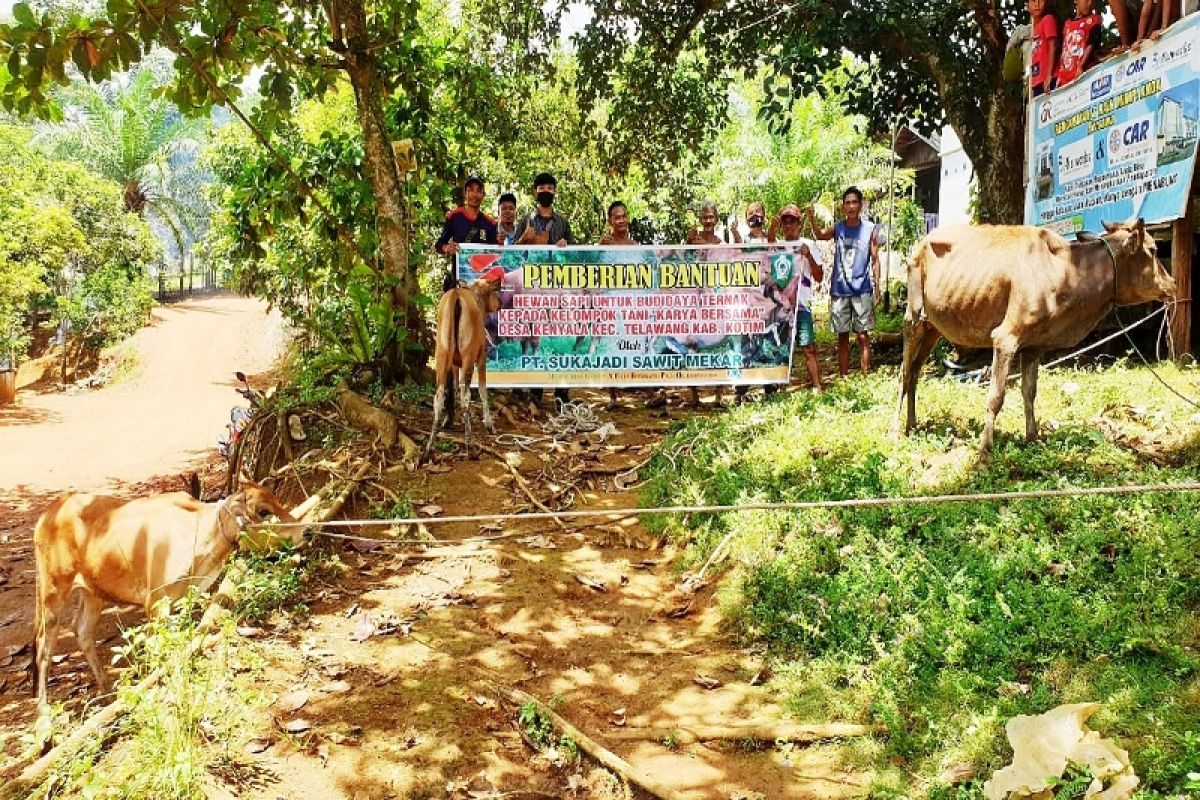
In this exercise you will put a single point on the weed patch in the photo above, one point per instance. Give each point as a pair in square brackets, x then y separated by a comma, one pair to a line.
[941, 622]
[174, 730]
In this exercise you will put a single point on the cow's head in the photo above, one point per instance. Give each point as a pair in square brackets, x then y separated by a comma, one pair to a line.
[486, 293]
[1140, 276]
[254, 504]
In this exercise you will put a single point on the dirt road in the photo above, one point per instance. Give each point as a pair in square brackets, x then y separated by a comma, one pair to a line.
[163, 420]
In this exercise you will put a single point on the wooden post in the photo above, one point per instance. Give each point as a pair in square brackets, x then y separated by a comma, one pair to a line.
[1181, 269]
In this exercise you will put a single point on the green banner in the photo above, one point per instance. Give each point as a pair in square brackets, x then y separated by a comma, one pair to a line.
[641, 316]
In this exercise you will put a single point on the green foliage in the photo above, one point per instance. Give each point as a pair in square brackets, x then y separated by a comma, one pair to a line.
[193, 722]
[923, 62]
[942, 621]
[64, 232]
[267, 581]
[537, 726]
[825, 150]
[127, 132]
[196, 715]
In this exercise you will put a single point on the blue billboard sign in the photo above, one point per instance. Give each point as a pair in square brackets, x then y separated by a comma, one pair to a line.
[1120, 141]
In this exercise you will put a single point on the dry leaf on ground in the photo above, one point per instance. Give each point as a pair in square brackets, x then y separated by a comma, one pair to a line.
[293, 701]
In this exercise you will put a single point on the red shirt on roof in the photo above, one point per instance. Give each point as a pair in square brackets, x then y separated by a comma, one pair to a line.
[1044, 31]
[1078, 34]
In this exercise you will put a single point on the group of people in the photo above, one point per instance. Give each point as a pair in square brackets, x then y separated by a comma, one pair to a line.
[854, 287]
[1058, 58]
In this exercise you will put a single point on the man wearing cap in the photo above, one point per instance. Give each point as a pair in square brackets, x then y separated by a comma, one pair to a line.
[797, 290]
[465, 225]
[542, 226]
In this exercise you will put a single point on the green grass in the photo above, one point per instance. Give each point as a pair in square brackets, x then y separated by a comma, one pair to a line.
[942, 622]
[175, 733]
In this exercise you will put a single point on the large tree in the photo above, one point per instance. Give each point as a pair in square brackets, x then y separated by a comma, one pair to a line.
[298, 50]
[920, 61]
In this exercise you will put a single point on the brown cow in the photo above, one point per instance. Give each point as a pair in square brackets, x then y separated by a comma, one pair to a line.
[131, 552]
[1019, 290]
[462, 348]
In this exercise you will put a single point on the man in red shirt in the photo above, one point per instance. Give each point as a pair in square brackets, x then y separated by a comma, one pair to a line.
[1044, 55]
[1081, 42]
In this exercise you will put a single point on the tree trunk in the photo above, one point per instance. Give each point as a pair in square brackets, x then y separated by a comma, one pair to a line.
[348, 25]
[993, 136]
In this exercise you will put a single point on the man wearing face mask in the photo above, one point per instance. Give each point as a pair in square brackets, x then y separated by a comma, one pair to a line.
[756, 216]
[541, 226]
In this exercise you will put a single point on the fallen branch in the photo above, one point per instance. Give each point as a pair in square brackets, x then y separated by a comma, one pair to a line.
[522, 484]
[340, 499]
[762, 732]
[606, 758]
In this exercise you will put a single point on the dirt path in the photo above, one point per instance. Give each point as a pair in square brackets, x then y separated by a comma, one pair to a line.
[135, 437]
[401, 654]
[169, 415]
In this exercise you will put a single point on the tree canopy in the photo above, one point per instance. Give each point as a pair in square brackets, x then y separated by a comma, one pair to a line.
[65, 235]
[923, 62]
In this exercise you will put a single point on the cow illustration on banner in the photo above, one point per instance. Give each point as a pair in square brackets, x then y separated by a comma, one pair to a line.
[641, 316]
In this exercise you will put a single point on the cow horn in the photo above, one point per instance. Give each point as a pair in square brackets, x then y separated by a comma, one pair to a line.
[1110, 226]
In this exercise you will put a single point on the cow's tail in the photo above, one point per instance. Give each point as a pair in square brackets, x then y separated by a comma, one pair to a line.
[458, 308]
[454, 339]
[39, 614]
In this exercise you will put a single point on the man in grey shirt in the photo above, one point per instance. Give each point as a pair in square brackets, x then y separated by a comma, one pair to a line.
[543, 225]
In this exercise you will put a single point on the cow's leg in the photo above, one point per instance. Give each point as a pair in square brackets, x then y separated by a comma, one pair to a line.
[919, 340]
[464, 392]
[1004, 348]
[439, 399]
[488, 425]
[86, 618]
[1030, 359]
[51, 601]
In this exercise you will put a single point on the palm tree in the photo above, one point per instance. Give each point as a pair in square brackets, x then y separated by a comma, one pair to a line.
[123, 130]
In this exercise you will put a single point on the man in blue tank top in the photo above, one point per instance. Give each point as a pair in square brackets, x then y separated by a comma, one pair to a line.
[854, 290]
